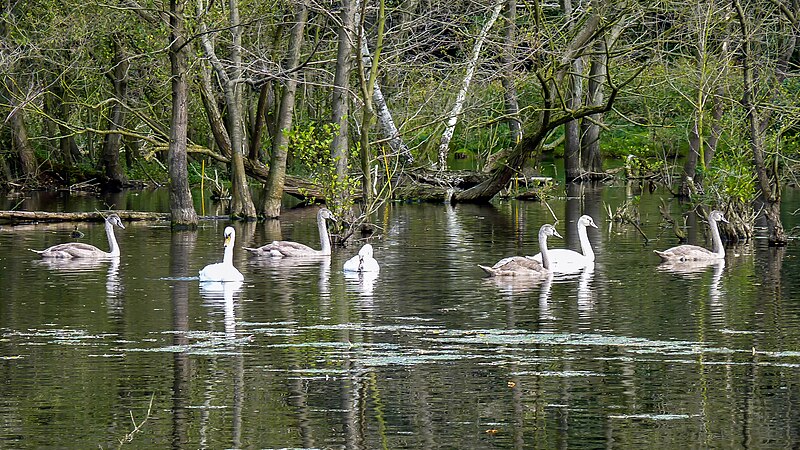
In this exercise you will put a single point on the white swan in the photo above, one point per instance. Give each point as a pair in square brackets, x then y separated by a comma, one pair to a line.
[523, 266]
[363, 261]
[566, 260]
[81, 250]
[224, 271]
[694, 252]
[280, 249]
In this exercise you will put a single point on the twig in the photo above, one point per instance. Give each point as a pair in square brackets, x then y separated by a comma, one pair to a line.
[18, 203]
[636, 225]
[551, 211]
[137, 427]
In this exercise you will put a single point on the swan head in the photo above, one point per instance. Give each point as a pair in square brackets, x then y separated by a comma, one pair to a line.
[587, 221]
[114, 219]
[717, 216]
[325, 213]
[366, 251]
[548, 230]
[230, 236]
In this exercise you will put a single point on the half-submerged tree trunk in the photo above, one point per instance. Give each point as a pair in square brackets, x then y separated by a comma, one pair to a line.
[548, 119]
[280, 143]
[531, 142]
[180, 198]
[458, 106]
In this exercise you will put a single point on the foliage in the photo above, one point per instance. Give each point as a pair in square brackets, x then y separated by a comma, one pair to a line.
[730, 178]
[311, 147]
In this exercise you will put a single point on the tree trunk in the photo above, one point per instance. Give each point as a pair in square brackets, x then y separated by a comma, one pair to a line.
[690, 181]
[280, 143]
[214, 116]
[573, 169]
[17, 217]
[509, 87]
[368, 74]
[590, 126]
[112, 141]
[531, 142]
[458, 106]
[717, 113]
[259, 122]
[241, 201]
[768, 180]
[180, 198]
[340, 104]
[386, 123]
[55, 107]
[22, 145]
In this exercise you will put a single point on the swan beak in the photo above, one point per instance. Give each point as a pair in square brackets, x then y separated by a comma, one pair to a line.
[594, 225]
[555, 233]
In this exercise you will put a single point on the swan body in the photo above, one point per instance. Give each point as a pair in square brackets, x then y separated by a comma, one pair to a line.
[81, 250]
[280, 249]
[696, 253]
[566, 260]
[522, 266]
[224, 271]
[363, 261]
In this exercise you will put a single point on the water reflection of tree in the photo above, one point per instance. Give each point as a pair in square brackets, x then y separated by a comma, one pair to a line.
[293, 279]
[180, 247]
[770, 317]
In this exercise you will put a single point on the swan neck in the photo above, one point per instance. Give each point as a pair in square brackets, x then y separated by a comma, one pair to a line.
[586, 246]
[323, 236]
[716, 240]
[543, 248]
[227, 258]
[112, 240]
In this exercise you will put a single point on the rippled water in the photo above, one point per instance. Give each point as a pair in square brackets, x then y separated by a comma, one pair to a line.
[429, 353]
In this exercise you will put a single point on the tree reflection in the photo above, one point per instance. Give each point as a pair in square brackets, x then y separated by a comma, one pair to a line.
[180, 247]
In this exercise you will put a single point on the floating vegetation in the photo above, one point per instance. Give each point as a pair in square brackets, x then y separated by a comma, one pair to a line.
[420, 343]
[728, 331]
[559, 374]
[653, 416]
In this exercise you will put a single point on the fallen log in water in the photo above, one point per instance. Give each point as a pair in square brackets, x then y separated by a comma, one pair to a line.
[92, 216]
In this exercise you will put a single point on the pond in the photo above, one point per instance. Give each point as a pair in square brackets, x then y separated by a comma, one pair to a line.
[428, 354]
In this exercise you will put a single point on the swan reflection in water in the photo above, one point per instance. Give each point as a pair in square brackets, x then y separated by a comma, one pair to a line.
[215, 293]
[361, 282]
[585, 289]
[693, 270]
[513, 286]
[81, 266]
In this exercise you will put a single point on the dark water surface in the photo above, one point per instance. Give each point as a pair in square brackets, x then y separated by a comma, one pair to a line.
[429, 354]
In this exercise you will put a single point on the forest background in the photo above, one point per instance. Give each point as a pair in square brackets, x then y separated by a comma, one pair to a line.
[355, 103]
